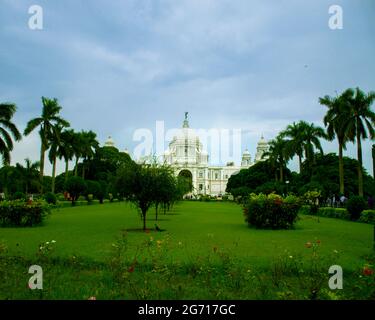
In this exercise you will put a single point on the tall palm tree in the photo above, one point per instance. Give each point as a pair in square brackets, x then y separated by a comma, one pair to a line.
[78, 146]
[311, 140]
[335, 122]
[65, 150]
[294, 145]
[278, 156]
[47, 124]
[360, 124]
[55, 143]
[89, 147]
[29, 173]
[7, 130]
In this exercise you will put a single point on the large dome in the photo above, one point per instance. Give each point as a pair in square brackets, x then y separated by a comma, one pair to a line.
[186, 134]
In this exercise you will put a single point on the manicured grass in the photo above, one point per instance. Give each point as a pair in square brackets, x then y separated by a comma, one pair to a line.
[195, 228]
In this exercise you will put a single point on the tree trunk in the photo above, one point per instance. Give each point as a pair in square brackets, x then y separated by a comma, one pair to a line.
[76, 168]
[300, 163]
[83, 171]
[359, 154]
[281, 173]
[41, 173]
[341, 169]
[373, 161]
[144, 219]
[66, 169]
[53, 174]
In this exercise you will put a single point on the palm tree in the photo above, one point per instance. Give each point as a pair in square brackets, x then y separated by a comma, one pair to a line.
[335, 120]
[361, 117]
[311, 141]
[278, 156]
[47, 124]
[65, 149]
[294, 145]
[78, 146]
[89, 147]
[55, 143]
[7, 130]
[29, 173]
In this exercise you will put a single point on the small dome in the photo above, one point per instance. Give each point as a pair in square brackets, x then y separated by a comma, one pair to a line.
[109, 142]
[262, 141]
[246, 152]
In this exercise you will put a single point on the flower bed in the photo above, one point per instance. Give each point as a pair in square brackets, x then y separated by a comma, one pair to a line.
[19, 213]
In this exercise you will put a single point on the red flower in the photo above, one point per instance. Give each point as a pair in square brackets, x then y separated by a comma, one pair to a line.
[318, 241]
[367, 271]
[131, 269]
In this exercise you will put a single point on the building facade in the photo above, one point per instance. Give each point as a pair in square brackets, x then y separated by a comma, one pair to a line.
[188, 158]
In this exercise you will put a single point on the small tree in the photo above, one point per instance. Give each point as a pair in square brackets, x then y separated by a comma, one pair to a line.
[165, 189]
[76, 186]
[137, 183]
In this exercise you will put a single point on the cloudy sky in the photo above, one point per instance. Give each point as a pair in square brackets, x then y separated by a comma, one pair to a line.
[117, 66]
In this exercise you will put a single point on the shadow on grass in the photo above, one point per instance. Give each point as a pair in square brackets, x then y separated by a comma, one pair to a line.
[141, 230]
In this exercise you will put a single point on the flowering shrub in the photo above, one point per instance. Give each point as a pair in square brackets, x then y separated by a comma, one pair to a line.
[272, 211]
[20, 213]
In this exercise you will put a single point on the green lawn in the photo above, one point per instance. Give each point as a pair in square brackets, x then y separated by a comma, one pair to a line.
[206, 252]
[195, 228]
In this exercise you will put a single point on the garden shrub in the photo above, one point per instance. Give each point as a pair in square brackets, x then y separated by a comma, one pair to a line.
[272, 211]
[355, 206]
[50, 198]
[367, 216]
[19, 213]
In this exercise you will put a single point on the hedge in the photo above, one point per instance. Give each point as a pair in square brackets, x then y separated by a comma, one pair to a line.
[18, 213]
[367, 216]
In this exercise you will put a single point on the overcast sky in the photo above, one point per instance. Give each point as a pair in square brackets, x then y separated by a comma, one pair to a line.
[116, 66]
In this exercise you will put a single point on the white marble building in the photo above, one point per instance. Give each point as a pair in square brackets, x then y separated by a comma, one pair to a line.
[187, 156]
